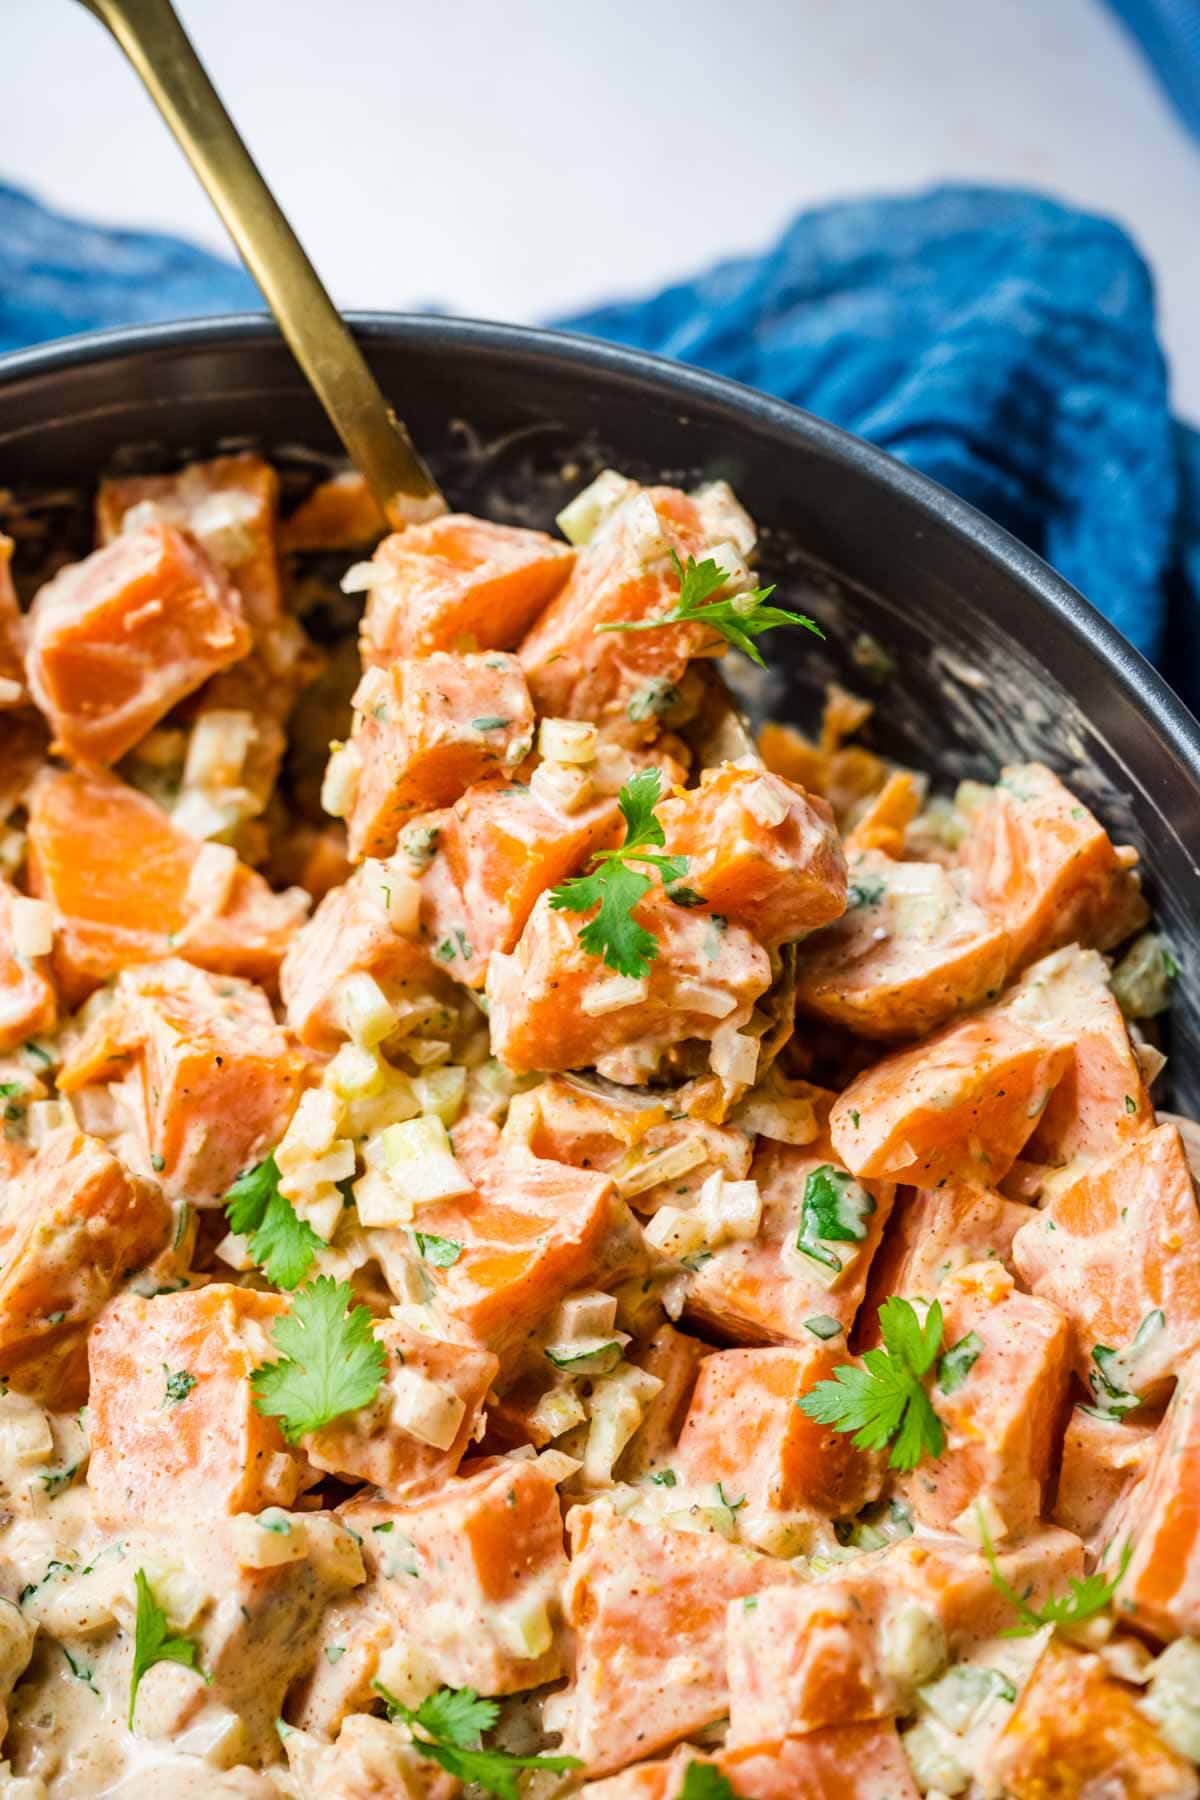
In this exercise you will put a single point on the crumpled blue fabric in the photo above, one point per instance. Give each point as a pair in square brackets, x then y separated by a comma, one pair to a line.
[1168, 34]
[997, 340]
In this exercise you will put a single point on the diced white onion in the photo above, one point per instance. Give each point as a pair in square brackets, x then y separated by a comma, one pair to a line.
[421, 1162]
[579, 519]
[723, 516]
[25, 1435]
[442, 1091]
[268, 1539]
[361, 576]
[217, 749]
[588, 1315]
[234, 1251]
[340, 784]
[676, 1232]
[568, 741]
[734, 1056]
[611, 995]
[766, 804]
[662, 1165]
[564, 786]
[395, 893]
[32, 927]
[47, 1116]
[558, 1410]
[728, 557]
[354, 1073]
[731, 1210]
[363, 1010]
[424, 1409]
[982, 1514]
[699, 997]
[202, 817]
[315, 1124]
[210, 880]
[618, 1406]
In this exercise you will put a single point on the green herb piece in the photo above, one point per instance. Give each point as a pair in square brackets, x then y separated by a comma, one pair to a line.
[454, 945]
[587, 1359]
[739, 620]
[649, 702]
[448, 1728]
[9, 1088]
[823, 1325]
[180, 1383]
[704, 1781]
[1170, 966]
[864, 893]
[334, 1652]
[55, 1480]
[274, 1520]
[958, 1361]
[686, 896]
[489, 724]
[420, 843]
[616, 887]
[332, 1362]
[732, 1507]
[1085, 1598]
[665, 1478]
[152, 1643]
[442, 1252]
[835, 1208]
[884, 1401]
[281, 1242]
[157, 1163]
[80, 1670]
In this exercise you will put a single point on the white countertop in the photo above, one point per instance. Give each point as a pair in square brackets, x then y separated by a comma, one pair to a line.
[514, 161]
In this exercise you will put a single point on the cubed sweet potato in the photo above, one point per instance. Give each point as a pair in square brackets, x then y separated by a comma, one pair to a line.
[228, 505]
[1160, 1519]
[425, 729]
[459, 583]
[115, 641]
[120, 880]
[75, 1222]
[203, 1073]
[208, 1452]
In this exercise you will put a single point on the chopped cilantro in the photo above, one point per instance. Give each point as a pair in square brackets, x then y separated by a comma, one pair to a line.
[739, 620]
[331, 1363]
[281, 1241]
[884, 1401]
[615, 887]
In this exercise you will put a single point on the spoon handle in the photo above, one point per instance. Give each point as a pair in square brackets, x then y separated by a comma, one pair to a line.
[159, 49]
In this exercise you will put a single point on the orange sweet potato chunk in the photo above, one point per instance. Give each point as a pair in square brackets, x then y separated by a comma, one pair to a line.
[12, 634]
[482, 1550]
[459, 583]
[1046, 869]
[499, 849]
[650, 1602]
[1101, 1460]
[1120, 1245]
[339, 514]
[1161, 1520]
[911, 950]
[350, 933]
[576, 671]
[75, 1223]
[843, 1762]
[211, 1452]
[229, 505]
[1075, 1732]
[626, 1134]
[1002, 1421]
[760, 850]
[425, 729]
[115, 641]
[766, 1291]
[934, 1232]
[117, 875]
[959, 1106]
[205, 1076]
[550, 1005]
[374, 1445]
[28, 1002]
[745, 1429]
[531, 1233]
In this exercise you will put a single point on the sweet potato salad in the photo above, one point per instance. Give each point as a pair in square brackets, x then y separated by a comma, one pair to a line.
[548, 1247]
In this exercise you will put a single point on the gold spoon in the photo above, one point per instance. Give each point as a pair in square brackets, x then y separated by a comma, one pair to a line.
[159, 49]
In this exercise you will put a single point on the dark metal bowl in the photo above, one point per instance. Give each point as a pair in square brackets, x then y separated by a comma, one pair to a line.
[991, 656]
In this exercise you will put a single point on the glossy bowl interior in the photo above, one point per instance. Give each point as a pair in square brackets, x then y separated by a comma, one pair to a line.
[986, 655]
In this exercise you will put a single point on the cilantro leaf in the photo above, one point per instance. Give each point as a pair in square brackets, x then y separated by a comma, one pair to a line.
[739, 619]
[447, 1728]
[884, 1401]
[834, 1209]
[1084, 1599]
[152, 1643]
[281, 1242]
[442, 1252]
[616, 888]
[958, 1361]
[332, 1362]
[704, 1781]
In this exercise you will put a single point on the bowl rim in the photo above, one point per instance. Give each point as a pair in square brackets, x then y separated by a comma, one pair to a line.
[1139, 683]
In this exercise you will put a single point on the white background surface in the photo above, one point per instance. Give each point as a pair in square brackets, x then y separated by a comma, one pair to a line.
[516, 159]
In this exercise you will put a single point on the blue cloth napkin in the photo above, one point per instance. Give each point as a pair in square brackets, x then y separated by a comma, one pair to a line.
[1000, 342]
